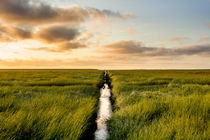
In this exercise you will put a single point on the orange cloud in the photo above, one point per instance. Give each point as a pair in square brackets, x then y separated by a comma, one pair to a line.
[63, 47]
[55, 63]
[103, 63]
[180, 40]
[12, 33]
[204, 39]
[4, 38]
[208, 24]
[129, 30]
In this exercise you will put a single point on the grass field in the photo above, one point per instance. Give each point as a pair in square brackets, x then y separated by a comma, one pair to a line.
[48, 104]
[62, 104]
[160, 105]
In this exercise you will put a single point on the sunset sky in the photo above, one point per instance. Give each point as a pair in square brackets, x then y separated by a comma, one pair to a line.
[105, 34]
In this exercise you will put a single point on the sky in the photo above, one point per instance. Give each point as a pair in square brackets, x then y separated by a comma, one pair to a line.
[105, 34]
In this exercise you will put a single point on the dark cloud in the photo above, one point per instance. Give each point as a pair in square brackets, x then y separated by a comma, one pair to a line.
[57, 34]
[21, 33]
[63, 47]
[127, 47]
[70, 45]
[63, 37]
[193, 50]
[31, 12]
[51, 34]
[25, 11]
[136, 48]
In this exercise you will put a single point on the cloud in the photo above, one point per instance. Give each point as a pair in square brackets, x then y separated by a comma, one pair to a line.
[51, 34]
[204, 39]
[30, 12]
[129, 30]
[29, 63]
[57, 34]
[21, 33]
[207, 24]
[99, 62]
[138, 49]
[126, 47]
[12, 33]
[70, 46]
[180, 40]
[118, 14]
[62, 37]
[4, 38]
[55, 63]
[104, 14]
[86, 36]
[63, 47]
[25, 11]
[193, 50]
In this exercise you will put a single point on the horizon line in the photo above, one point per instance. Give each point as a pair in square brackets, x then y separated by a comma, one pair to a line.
[99, 69]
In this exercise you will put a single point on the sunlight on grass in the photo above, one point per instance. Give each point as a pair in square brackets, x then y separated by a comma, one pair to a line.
[47, 104]
[160, 105]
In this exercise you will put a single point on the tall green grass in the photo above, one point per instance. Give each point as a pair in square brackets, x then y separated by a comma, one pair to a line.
[48, 104]
[160, 105]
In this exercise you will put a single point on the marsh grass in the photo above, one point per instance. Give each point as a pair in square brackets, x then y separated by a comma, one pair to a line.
[160, 105]
[48, 104]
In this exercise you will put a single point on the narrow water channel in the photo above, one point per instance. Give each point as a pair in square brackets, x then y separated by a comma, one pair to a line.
[104, 112]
